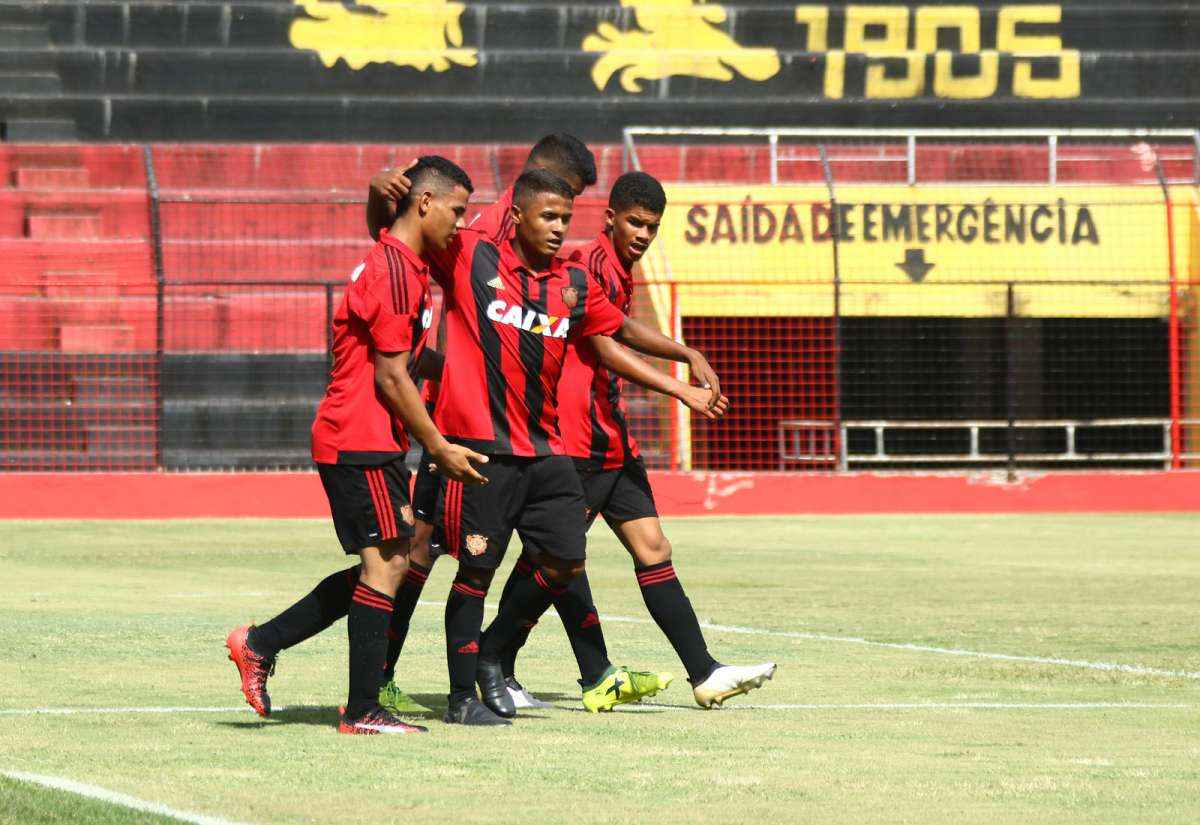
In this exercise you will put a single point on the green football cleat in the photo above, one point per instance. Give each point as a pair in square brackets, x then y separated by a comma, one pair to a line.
[394, 700]
[620, 685]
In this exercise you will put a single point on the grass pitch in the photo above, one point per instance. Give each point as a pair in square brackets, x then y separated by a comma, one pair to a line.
[108, 615]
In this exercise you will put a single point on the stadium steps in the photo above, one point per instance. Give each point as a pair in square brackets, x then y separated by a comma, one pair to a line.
[244, 410]
[28, 71]
[208, 69]
[78, 295]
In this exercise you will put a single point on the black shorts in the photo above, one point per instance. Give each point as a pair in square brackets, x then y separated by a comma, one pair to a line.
[369, 503]
[540, 498]
[622, 494]
[425, 491]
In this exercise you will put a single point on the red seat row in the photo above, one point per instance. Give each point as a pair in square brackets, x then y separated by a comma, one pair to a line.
[75, 221]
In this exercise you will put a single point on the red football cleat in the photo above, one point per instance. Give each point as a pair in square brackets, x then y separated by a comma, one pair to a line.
[375, 721]
[253, 669]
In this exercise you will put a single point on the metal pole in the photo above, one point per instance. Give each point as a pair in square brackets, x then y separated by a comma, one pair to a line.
[773, 147]
[839, 451]
[1010, 344]
[329, 327]
[679, 418]
[160, 332]
[1173, 348]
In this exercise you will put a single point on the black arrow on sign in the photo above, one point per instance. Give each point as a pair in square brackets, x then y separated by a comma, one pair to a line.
[915, 266]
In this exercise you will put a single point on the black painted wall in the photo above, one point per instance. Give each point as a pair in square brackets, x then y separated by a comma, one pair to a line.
[233, 70]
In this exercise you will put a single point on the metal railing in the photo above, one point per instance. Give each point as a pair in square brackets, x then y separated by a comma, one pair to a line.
[795, 434]
[910, 138]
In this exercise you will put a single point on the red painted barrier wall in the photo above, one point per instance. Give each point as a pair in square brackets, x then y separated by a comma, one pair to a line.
[299, 495]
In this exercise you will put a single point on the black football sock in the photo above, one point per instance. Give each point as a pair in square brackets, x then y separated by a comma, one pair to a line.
[671, 610]
[328, 602]
[464, 618]
[527, 601]
[582, 624]
[406, 602]
[367, 624]
[523, 569]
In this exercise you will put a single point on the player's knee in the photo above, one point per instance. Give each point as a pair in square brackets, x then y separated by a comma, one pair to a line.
[479, 579]
[655, 551]
[561, 571]
[393, 557]
[420, 551]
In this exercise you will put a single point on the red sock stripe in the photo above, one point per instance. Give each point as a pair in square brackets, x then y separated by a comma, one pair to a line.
[468, 590]
[656, 575]
[415, 577]
[383, 504]
[546, 585]
[372, 598]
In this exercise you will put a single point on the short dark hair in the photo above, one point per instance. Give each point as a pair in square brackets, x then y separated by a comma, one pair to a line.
[433, 172]
[637, 189]
[565, 153]
[535, 182]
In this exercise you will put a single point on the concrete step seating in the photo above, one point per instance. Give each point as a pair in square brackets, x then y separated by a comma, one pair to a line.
[229, 70]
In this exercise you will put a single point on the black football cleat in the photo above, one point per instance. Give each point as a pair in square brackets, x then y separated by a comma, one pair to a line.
[489, 675]
[470, 711]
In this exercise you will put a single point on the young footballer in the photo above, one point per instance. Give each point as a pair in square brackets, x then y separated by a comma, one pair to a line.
[511, 309]
[596, 435]
[359, 440]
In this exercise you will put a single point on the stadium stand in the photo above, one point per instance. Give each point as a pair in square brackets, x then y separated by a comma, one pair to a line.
[207, 257]
[312, 70]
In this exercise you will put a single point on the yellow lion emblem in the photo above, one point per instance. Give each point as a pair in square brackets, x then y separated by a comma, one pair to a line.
[425, 35]
[676, 37]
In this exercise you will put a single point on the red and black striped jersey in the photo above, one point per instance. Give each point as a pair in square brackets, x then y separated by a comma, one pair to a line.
[495, 223]
[507, 329]
[591, 411]
[386, 308]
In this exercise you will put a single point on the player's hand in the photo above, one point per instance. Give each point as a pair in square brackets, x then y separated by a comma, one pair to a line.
[392, 183]
[454, 461]
[705, 376]
[697, 400]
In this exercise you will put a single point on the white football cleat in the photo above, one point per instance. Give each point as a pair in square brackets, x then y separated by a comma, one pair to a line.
[731, 680]
[523, 699]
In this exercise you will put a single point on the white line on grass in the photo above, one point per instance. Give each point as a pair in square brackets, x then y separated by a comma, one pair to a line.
[1112, 667]
[181, 709]
[114, 798]
[945, 651]
[936, 706]
[646, 706]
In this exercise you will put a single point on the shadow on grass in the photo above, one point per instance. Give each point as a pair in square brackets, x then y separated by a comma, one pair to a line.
[319, 715]
[327, 715]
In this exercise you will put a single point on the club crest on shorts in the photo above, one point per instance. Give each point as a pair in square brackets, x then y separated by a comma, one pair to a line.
[570, 296]
[406, 513]
[476, 544]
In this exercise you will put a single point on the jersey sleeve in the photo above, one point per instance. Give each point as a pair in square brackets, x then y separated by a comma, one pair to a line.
[387, 302]
[599, 316]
